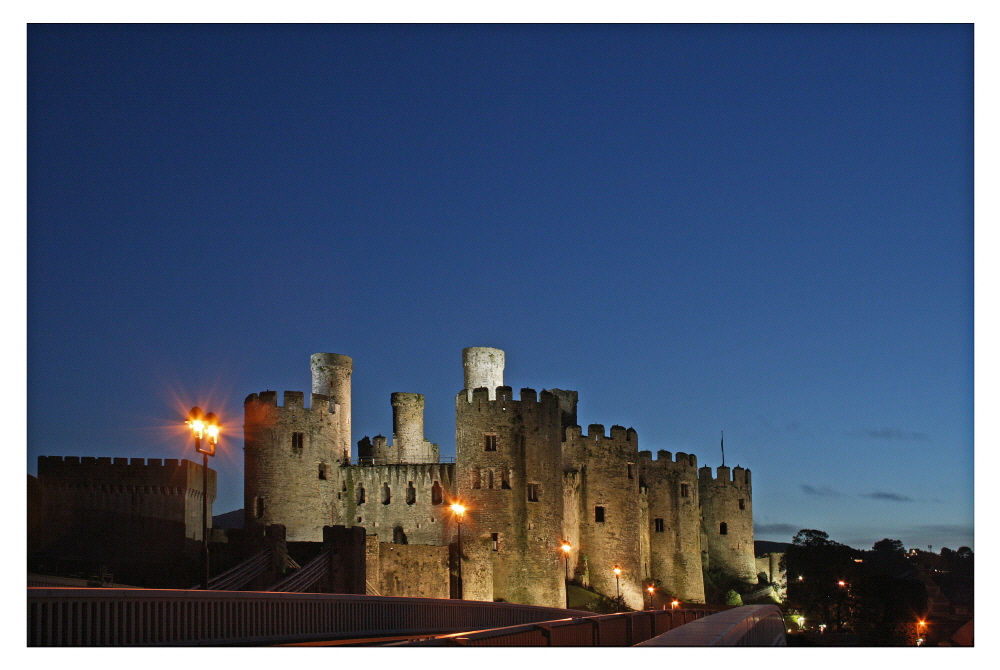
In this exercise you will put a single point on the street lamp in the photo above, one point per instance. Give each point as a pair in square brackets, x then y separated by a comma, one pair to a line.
[458, 509]
[203, 425]
[618, 588]
[567, 547]
[650, 589]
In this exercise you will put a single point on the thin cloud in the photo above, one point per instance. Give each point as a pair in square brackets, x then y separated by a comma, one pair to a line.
[822, 491]
[776, 529]
[883, 495]
[892, 434]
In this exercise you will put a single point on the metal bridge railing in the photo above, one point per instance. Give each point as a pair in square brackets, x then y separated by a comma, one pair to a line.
[748, 626]
[130, 617]
[606, 630]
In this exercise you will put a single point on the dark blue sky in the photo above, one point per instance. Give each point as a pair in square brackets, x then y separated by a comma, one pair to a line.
[766, 230]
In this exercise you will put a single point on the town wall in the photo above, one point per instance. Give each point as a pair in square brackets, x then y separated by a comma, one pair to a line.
[408, 570]
[674, 523]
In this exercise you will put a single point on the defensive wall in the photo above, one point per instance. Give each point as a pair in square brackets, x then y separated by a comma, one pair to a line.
[674, 523]
[412, 570]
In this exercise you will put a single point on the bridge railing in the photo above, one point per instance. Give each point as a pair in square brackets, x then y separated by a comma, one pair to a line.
[128, 617]
[607, 630]
[748, 626]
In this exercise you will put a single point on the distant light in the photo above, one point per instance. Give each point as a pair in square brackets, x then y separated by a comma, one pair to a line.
[458, 508]
[617, 570]
[567, 547]
[841, 582]
[650, 589]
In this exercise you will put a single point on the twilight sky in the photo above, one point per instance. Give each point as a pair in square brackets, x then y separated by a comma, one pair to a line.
[766, 230]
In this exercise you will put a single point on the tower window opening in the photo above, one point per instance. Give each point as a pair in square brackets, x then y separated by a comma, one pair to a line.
[723, 529]
[685, 491]
[631, 470]
[504, 478]
[495, 539]
[532, 492]
[743, 503]
[361, 494]
[297, 439]
[322, 471]
[490, 442]
[386, 494]
[411, 494]
[658, 525]
[259, 506]
[489, 479]
[436, 497]
[599, 514]
[476, 479]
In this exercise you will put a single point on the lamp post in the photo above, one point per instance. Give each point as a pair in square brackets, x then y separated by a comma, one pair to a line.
[203, 425]
[618, 588]
[567, 547]
[650, 588]
[459, 511]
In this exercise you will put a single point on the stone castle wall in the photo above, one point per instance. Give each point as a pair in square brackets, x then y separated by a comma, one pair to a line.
[399, 501]
[409, 570]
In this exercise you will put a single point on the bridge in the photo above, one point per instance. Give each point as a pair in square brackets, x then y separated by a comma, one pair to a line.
[161, 617]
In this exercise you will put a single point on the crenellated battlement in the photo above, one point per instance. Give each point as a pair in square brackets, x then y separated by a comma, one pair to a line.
[423, 475]
[293, 400]
[666, 459]
[596, 433]
[107, 471]
[740, 477]
[480, 397]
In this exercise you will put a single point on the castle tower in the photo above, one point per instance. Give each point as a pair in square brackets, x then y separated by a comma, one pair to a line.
[727, 521]
[483, 369]
[292, 453]
[331, 376]
[408, 430]
[508, 472]
[608, 509]
[674, 524]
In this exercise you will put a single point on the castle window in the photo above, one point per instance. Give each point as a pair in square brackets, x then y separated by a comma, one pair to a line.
[322, 471]
[658, 525]
[504, 478]
[495, 538]
[631, 470]
[398, 535]
[411, 494]
[532, 492]
[684, 491]
[599, 514]
[296, 441]
[259, 506]
[476, 482]
[490, 442]
[386, 494]
[743, 503]
[723, 529]
[361, 494]
[489, 479]
[436, 497]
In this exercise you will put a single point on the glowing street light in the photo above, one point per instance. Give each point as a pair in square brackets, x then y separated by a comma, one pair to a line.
[458, 509]
[674, 604]
[567, 547]
[650, 588]
[203, 425]
[618, 588]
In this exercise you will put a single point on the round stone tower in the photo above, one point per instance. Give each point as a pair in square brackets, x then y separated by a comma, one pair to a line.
[408, 429]
[727, 521]
[483, 369]
[331, 376]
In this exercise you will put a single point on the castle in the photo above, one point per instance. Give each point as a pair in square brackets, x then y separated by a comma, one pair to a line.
[531, 479]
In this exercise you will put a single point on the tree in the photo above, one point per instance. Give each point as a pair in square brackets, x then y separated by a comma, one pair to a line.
[888, 546]
[734, 598]
[808, 537]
